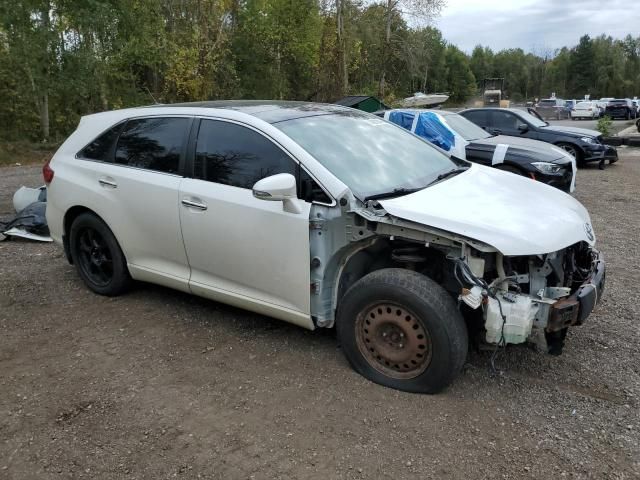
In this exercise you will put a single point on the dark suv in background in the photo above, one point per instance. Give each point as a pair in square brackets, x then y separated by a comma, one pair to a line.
[621, 108]
[585, 145]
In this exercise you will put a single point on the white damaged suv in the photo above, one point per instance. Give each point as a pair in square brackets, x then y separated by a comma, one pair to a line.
[321, 215]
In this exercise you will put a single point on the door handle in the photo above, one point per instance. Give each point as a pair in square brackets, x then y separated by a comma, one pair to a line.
[107, 182]
[196, 205]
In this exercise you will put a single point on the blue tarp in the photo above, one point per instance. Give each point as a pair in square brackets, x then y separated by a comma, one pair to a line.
[432, 129]
[404, 119]
[428, 127]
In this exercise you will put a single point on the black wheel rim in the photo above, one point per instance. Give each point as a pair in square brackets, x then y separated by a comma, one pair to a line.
[393, 340]
[95, 257]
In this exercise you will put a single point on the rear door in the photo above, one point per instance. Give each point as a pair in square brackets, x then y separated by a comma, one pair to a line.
[244, 251]
[135, 189]
[479, 117]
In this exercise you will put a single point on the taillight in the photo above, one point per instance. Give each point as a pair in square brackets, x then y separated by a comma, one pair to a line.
[47, 173]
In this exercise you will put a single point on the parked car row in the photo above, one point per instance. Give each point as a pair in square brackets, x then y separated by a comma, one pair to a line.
[322, 216]
[558, 109]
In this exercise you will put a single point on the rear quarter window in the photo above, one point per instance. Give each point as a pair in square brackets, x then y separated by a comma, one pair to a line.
[478, 117]
[102, 148]
[153, 143]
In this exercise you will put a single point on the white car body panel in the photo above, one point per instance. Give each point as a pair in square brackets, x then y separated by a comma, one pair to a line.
[516, 215]
[220, 242]
[149, 233]
[273, 246]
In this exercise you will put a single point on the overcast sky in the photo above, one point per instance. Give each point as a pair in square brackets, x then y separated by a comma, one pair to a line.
[535, 25]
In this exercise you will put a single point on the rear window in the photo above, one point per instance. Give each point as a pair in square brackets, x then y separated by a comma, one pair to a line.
[618, 102]
[547, 103]
[584, 105]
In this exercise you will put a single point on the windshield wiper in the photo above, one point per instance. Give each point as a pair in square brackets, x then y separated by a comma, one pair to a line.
[450, 173]
[396, 192]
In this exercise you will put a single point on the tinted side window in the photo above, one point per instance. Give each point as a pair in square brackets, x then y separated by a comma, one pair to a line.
[478, 117]
[152, 143]
[234, 155]
[102, 147]
[504, 120]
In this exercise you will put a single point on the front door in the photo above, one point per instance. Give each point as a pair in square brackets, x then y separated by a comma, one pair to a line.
[244, 251]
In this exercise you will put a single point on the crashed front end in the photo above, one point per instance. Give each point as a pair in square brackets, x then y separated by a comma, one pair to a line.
[533, 298]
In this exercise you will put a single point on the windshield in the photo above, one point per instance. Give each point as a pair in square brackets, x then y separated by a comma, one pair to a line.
[535, 121]
[369, 155]
[465, 128]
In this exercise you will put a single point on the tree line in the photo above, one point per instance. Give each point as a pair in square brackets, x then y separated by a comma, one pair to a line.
[61, 59]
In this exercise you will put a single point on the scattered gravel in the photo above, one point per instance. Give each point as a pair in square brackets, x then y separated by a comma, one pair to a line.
[160, 384]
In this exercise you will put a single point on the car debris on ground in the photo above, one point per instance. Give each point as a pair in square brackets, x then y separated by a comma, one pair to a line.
[29, 222]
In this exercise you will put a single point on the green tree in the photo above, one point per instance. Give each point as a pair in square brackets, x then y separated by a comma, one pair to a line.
[460, 79]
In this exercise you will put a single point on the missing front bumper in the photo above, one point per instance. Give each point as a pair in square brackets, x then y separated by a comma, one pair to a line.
[575, 309]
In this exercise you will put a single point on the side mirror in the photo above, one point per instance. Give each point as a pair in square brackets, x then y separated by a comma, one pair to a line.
[278, 188]
[523, 128]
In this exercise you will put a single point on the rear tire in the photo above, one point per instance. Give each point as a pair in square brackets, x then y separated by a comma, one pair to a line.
[97, 256]
[400, 329]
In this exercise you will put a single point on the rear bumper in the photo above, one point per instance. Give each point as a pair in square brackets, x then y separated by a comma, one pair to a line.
[575, 309]
[618, 113]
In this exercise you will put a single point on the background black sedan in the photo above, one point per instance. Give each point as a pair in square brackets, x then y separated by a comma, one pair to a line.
[537, 160]
[585, 145]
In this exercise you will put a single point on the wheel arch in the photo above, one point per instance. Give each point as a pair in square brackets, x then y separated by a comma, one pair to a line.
[70, 215]
[570, 143]
[373, 256]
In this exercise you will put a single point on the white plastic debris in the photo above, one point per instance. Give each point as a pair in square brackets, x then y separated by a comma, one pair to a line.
[25, 196]
[473, 298]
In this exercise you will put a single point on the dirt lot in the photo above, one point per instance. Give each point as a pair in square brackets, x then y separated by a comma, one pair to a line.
[158, 384]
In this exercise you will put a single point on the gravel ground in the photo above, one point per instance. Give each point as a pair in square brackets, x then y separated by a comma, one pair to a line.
[158, 384]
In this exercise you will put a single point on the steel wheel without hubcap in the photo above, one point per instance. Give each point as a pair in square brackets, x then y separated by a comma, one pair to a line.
[393, 341]
[95, 257]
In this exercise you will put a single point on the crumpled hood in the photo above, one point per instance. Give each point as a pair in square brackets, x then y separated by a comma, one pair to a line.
[583, 132]
[514, 214]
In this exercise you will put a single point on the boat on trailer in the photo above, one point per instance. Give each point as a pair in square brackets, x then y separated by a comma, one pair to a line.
[420, 99]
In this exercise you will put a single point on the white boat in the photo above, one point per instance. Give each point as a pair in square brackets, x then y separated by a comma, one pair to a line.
[420, 99]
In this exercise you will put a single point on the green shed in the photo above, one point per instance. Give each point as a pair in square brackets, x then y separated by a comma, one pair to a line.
[362, 102]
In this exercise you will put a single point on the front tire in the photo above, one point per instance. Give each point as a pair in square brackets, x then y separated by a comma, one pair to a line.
[573, 150]
[97, 256]
[400, 329]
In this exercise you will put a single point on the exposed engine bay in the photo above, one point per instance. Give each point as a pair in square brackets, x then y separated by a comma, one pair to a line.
[534, 298]
[505, 299]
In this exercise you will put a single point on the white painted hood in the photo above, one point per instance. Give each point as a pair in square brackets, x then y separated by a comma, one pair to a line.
[514, 214]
